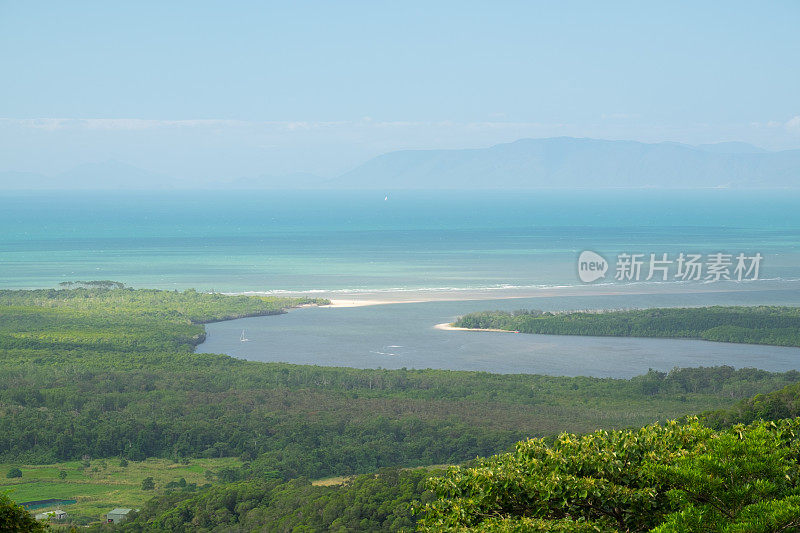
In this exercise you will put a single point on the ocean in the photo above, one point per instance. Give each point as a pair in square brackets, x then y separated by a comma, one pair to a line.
[351, 241]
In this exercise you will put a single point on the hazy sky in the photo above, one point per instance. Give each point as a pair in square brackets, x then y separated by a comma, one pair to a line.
[244, 88]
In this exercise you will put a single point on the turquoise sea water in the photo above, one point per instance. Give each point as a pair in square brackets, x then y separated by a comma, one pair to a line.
[355, 240]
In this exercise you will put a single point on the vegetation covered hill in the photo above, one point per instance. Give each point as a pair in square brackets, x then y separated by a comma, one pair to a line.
[754, 325]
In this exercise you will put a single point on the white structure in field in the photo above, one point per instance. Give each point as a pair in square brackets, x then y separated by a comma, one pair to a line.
[58, 514]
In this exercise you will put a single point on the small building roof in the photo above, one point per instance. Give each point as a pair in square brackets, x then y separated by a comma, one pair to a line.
[120, 510]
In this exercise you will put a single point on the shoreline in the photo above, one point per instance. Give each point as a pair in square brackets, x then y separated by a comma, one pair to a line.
[344, 299]
[448, 326]
[355, 302]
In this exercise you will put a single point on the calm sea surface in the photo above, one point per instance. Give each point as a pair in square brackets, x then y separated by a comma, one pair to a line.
[302, 241]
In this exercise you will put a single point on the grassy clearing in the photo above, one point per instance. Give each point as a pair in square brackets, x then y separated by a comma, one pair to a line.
[331, 481]
[341, 480]
[104, 484]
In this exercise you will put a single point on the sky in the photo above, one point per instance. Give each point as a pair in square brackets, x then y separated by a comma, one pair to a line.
[200, 89]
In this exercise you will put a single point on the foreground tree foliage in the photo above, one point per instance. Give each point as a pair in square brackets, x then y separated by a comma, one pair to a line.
[680, 477]
[15, 519]
[753, 325]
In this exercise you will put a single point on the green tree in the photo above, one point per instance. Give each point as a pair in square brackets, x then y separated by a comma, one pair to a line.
[148, 484]
[742, 480]
[15, 519]
[14, 472]
[673, 478]
[62, 474]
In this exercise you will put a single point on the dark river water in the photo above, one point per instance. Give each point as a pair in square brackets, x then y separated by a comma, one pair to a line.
[402, 335]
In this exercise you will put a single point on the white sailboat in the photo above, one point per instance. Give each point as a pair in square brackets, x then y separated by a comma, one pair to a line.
[243, 338]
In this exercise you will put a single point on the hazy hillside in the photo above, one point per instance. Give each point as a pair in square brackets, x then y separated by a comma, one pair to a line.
[527, 163]
[570, 162]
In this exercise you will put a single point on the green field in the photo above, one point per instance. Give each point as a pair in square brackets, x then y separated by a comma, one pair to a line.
[105, 484]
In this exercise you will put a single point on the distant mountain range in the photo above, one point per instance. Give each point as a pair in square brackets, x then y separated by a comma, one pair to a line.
[527, 163]
[571, 162]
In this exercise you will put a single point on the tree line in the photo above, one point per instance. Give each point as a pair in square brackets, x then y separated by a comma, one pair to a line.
[779, 326]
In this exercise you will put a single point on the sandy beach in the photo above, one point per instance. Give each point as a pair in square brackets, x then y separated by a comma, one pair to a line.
[358, 302]
[389, 297]
[446, 326]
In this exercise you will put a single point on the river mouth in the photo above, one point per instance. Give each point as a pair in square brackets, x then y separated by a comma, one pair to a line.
[404, 336]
